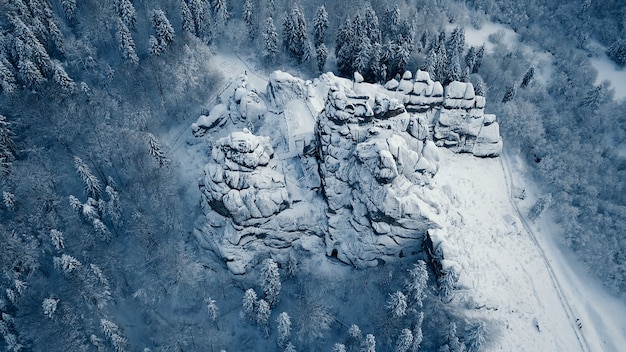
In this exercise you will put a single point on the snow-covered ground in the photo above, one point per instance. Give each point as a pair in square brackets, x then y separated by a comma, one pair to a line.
[609, 71]
[601, 315]
[505, 278]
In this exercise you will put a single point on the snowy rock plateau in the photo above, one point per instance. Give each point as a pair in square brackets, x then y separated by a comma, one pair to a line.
[333, 165]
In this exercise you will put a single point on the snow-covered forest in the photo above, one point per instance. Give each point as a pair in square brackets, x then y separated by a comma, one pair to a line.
[134, 170]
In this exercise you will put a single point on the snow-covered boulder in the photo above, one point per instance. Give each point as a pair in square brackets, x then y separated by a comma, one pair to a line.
[238, 182]
[283, 87]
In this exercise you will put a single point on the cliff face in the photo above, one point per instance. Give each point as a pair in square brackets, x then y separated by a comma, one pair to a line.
[345, 168]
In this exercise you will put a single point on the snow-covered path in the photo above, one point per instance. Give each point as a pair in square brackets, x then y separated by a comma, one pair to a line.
[598, 318]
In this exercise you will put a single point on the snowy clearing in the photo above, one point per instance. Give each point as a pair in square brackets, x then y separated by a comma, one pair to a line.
[609, 71]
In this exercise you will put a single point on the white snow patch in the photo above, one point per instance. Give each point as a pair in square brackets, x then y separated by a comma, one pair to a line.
[609, 71]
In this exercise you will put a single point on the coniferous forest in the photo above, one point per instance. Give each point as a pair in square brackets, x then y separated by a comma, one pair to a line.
[97, 251]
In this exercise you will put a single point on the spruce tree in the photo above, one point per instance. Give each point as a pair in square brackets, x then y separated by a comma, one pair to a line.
[344, 48]
[220, 13]
[397, 304]
[284, 328]
[528, 77]
[405, 341]
[509, 94]
[248, 18]
[62, 79]
[320, 25]
[270, 41]
[7, 78]
[164, 32]
[270, 281]
[617, 52]
[126, 44]
[475, 336]
[186, 18]
[321, 54]
[69, 8]
[91, 183]
[127, 13]
[417, 282]
[7, 148]
[479, 59]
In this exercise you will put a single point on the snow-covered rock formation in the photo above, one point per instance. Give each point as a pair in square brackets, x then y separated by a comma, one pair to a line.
[455, 113]
[345, 167]
[376, 177]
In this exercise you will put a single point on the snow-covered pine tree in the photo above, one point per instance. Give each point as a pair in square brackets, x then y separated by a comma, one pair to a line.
[249, 304]
[263, 312]
[405, 341]
[49, 306]
[248, 18]
[466, 75]
[66, 263]
[283, 328]
[112, 331]
[391, 22]
[29, 73]
[7, 147]
[480, 88]
[220, 13]
[456, 42]
[8, 199]
[270, 41]
[617, 52]
[446, 284]
[371, 25]
[510, 93]
[451, 339]
[470, 58]
[397, 304]
[321, 54]
[56, 36]
[164, 32]
[270, 281]
[418, 336]
[289, 347]
[320, 25]
[355, 332]
[92, 185]
[369, 345]
[480, 53]
[201, 14]
[339, 347]
[475, 336]
[211, 309]
[344, 48]
[64, 81]
[58, 241]
[157, 151]
[126, 11]
[126, 43]
[417, 282]
[186, 18]
[69, 8]
[528, 77]
[7, 78]
[453, 71]
[295, 34]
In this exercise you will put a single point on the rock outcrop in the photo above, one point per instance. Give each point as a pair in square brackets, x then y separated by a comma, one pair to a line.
[456, 115]
[352, 173]
[375, 175]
